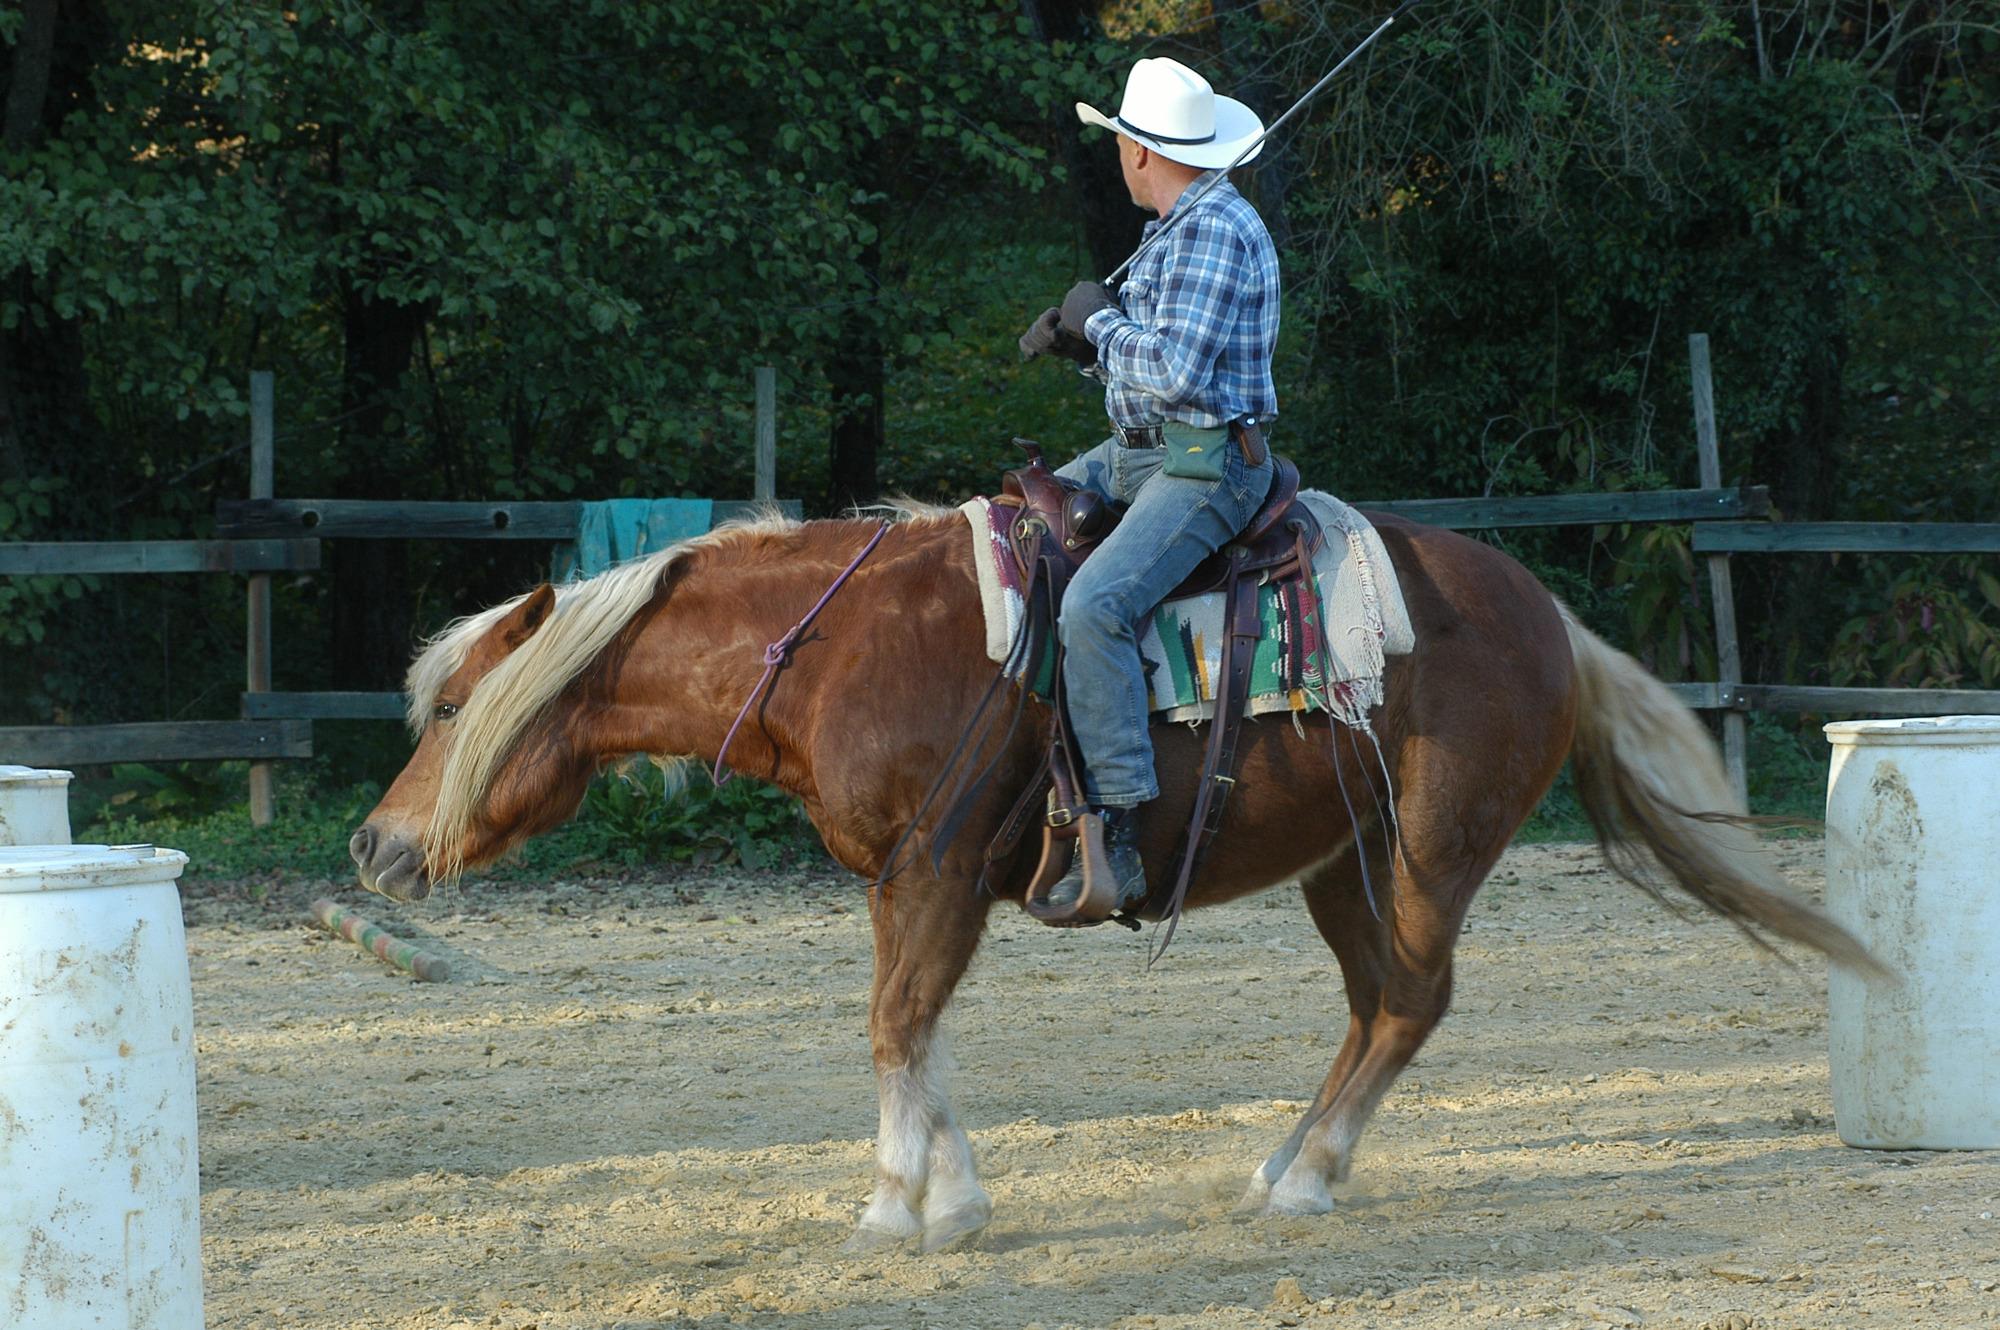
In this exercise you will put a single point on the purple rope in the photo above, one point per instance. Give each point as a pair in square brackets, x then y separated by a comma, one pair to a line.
[780, 651]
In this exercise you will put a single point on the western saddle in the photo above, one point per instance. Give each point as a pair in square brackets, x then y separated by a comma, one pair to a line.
[1054, 528]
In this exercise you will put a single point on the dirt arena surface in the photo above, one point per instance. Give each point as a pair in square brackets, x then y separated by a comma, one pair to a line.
[648, 1104]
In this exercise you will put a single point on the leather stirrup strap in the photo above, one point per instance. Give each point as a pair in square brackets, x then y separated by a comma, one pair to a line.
[1015, 824]
[1065, 760]
[1239, 652]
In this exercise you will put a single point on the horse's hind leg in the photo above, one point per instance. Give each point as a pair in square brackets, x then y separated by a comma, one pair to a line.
[1440, 866]
[925, 1180]
[1338, 904]
[1449, 843]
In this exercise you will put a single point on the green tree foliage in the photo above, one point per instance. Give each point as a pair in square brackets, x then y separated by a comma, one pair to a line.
[602, 211]
[521, 249]
[1506, 227]
[530, 249]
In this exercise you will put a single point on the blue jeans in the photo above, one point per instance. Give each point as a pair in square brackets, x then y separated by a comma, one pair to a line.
[1172, 525]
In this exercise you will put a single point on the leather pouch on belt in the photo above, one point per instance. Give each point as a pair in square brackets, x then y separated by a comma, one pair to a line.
[1193, 453]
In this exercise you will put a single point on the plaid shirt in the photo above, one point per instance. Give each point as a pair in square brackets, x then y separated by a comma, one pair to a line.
[1200, 320]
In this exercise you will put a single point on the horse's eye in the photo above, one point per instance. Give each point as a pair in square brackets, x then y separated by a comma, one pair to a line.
[444, 711]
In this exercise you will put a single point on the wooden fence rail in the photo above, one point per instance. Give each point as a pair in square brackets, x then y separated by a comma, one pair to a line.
[1641, 506]
[1832, 700]
[323, 706]
[34, 558]
[155, 741]
[1848, 538]
[263, 535]
[394, 519]
[558, 521]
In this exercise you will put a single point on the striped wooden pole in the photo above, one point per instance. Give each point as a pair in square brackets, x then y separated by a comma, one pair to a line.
[432, 969]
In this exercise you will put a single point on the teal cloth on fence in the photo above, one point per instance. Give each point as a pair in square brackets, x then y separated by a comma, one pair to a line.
[617, 530]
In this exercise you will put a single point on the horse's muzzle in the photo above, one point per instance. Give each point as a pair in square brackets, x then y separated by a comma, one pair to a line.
[389, 865]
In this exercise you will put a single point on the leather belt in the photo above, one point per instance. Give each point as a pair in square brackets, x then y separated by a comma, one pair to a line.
[1141, 436]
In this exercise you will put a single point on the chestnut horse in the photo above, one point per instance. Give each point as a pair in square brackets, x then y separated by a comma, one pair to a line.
[519, 706]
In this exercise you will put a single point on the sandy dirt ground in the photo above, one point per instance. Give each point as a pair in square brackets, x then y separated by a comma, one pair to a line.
[649, 1105]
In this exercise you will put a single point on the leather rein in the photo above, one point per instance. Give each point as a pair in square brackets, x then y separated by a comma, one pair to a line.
[779, 653]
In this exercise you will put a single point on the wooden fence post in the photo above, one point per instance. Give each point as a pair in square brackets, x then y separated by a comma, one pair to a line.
[1728, 657]
[257, 648]
[767, 434]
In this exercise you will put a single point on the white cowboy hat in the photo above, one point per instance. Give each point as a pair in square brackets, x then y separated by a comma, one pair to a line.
[1172, 110]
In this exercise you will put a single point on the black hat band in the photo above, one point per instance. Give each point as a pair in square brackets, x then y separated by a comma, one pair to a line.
[1162, 138]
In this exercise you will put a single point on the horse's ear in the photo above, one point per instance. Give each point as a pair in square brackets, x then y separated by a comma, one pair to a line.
[529, 615]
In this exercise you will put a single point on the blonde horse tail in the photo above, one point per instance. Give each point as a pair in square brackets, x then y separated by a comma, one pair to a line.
[1648, 774]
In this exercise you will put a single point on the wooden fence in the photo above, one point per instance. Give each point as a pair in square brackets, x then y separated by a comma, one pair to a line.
[263, 535]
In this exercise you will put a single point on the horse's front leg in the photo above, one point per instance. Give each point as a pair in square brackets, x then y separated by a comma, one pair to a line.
[925, 1182]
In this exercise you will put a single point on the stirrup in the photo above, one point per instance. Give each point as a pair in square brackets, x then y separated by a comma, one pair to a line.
[1100, 897]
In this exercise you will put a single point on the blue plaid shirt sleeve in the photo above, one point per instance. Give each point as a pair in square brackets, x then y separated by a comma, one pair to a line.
[1172, 356]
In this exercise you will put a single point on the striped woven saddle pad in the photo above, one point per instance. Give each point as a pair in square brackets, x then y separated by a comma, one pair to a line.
[1297, 666]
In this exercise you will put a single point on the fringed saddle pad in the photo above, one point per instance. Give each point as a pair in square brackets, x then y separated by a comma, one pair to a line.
[1181, 641]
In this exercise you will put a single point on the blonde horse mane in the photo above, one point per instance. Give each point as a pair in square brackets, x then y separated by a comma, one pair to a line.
[586, 616]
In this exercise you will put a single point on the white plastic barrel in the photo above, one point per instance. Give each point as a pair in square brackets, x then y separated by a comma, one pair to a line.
[34, 806]
[1913, 870]
[99, 1189]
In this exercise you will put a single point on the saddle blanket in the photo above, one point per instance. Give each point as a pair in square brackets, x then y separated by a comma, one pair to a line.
[1181, 642]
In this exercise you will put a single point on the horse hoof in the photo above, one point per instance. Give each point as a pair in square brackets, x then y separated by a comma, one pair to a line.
[1297, 1207]
[872, 1242]
[954, 1232]
[1315, 1200]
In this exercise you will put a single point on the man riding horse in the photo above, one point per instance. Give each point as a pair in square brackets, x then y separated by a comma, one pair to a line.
[1184, 354]
[517, 708]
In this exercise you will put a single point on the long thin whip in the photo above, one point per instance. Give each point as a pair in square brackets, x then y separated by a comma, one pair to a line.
[1272, 128]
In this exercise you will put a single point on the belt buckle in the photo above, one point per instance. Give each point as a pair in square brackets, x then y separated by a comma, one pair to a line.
[1058, 814]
